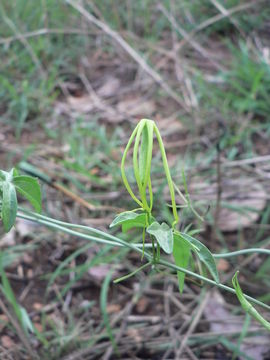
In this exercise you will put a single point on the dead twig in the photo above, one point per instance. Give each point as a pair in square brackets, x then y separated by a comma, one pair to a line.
[253, 160]
[199, 312]
[226, 13]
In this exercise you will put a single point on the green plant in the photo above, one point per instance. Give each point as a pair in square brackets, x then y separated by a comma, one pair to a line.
[162, 236]
[27, 186]
[246, 305]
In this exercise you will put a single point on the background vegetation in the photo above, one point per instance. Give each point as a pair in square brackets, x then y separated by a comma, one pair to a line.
[75, 78]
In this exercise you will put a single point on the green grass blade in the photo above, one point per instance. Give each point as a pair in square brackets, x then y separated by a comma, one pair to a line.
[103, 307]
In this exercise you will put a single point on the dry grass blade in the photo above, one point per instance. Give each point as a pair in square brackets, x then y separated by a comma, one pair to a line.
[249, 161]
[26, 44]
[114, 35]
[43, 31]
[205, 24]
[193, 43]
[226, 13]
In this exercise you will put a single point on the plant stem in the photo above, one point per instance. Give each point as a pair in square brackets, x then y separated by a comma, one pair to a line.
[125, 180]
[242, 252]
[34, 216]
[211, 282]
[167, 173]
[62, 226]
[136, 165]
[132, 273]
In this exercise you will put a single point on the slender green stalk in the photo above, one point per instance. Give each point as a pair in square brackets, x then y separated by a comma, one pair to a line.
[168, 174]
[246, 305]
[125, 180]
[34, 216]
[147, 178]
[142, 170]
[143, 242]
[209, 281]
[136, 165]
[242, 252]
[55, 224]
[64, 228]
[132, 273]
[150, 193]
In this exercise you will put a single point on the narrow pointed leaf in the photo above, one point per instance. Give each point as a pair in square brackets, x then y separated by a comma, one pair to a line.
[246, 305]
[143, 154]
[164, 235]
[204, 255]
[9, 205]
[30, 189]
[7, 290]
[181, 254]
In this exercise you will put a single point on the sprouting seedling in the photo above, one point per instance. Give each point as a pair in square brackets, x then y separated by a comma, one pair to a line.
[143, 146]
[161, 235]
[143, 137]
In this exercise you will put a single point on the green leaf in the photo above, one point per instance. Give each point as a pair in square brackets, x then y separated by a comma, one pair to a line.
[138, 222]
[129, 219]
[143, 154]
[21, 313]
[204, 255]
[246, 305]
[104, 306]
[164, 235]
[26, 321]
[2, 175]
[14, 172]
[7, 290]
[30, 189]
[181, 254]
[9, 205]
